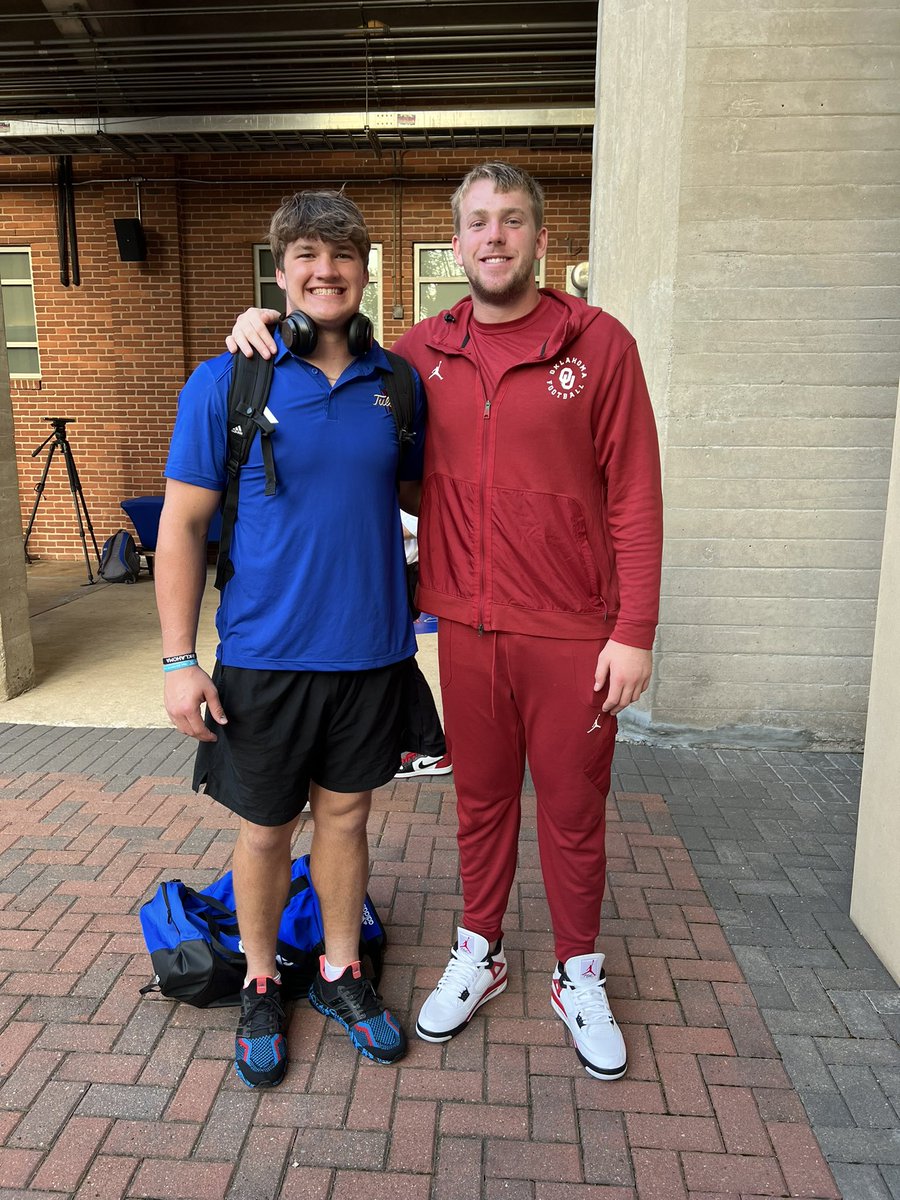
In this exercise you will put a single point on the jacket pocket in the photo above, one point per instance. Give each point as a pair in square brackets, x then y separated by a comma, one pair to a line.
[543, 559]
[447, 537]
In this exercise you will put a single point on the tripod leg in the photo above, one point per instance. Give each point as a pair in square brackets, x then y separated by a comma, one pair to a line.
[75, 484]
[39, 491]
[75, 488]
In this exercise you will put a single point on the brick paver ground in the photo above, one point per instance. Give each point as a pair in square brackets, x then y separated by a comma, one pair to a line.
[748, 1002]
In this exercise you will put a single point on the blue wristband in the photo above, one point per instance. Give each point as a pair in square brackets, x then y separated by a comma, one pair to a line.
[176, 666]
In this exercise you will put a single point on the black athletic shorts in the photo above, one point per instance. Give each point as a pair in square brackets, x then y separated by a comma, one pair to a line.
[286, 729]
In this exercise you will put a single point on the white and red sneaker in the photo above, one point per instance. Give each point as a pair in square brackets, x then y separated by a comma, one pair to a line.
[422, 764]
[473, 976]
[578, 996]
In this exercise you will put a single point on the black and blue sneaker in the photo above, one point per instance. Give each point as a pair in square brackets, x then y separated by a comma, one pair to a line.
[260, 1047]
[353, 1002]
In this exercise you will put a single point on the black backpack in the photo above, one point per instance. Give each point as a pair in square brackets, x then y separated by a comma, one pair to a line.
[119, 559]
[251, 380]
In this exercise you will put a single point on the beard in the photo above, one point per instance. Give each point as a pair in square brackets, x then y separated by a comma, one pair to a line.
[505, 291]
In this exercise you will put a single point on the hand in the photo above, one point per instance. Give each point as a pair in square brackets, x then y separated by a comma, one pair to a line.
[184, 692]
[251, 332]
[628, 670]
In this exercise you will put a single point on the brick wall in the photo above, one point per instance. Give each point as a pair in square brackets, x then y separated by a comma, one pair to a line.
[115, 351]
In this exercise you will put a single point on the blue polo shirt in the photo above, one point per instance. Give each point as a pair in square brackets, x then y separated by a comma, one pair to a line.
[319, 568]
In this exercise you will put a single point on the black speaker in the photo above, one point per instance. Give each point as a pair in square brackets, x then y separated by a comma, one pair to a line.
[300, 335]
[131, 239]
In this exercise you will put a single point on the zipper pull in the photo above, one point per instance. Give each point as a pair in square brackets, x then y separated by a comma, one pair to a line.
[481, 631]
[487, 409]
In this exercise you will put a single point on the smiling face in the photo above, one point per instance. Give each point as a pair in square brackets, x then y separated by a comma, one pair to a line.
[325, 280]
[496, 246]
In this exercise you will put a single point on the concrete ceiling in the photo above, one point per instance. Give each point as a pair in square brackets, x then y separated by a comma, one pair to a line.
[78, 76]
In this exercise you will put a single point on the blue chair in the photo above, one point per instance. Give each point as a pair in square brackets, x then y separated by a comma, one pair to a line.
[144, 511]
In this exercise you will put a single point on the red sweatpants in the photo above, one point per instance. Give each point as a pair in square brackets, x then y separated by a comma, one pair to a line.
[505, 695]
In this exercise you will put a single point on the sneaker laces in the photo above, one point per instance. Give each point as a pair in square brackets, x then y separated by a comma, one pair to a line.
[359, 1001]
[408, 756]
[460, 973]
[591, 1000]
[261, 1015]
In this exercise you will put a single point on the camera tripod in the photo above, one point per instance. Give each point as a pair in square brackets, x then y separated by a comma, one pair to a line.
[61, 442]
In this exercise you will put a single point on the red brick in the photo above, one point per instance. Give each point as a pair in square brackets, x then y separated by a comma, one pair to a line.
[604, 1149]
[459, 1170]
[553, 1114]
[737, 995]
[262, 1161]
[305, 1183]
[485, 1120]
[657, 1175]
[197, 1092]
[372, 1101]
[711, 942]
[16, 1166]
[507, 1074]
[101, 1068]
[158, 1180]
[623, 1095]
[744, 1072]
[653, 979]
[412, 1136]
[107, 1179]
[732, 1173]
[748, 1030]
[777, 1105]
[739, 1120]
[350, 1185]
[14, 1041]
[156, 1139]
[801, 1161]
[440, 1085]
[71, 1154]
[699, 1003]
[683, 1083]
[582, 1191]
[691, 1041]
[528, 1160]
[712, 969]
[673, 1133]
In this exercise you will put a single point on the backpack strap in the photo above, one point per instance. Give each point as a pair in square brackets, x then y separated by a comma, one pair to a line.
[400, 387]
[251, 379]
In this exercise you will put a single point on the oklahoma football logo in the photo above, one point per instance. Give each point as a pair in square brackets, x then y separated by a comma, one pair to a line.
[567, 378]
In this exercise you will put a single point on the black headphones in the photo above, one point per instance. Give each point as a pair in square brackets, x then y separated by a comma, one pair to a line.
[299, 334]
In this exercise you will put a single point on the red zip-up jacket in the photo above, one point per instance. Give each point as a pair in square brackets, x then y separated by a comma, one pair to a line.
[541, 505]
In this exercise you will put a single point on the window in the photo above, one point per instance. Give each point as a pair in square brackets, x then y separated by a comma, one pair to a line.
[440, 282]
[269, 295]
[18, 312]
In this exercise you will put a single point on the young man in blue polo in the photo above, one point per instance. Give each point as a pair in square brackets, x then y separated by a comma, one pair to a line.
[304, 703]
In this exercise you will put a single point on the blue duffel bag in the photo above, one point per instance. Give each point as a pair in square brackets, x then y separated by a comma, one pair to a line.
[195, 944]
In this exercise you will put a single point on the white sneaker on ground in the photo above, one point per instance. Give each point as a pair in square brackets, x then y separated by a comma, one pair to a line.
[578, 996]
[473, 976]
[422, 764]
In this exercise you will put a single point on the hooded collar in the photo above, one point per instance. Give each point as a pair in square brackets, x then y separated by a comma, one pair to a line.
[451, 330]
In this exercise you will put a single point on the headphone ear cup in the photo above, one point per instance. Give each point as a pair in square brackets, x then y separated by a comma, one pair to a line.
[299, 333]
[360, 335]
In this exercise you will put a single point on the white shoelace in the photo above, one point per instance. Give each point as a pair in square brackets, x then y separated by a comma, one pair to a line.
[461, 974]
[591, 1001]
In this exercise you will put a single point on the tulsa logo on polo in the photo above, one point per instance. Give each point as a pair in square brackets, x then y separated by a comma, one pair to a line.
[567, 378]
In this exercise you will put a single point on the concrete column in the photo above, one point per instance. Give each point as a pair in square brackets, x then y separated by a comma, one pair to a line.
[744, 230]
[16, 654]
[875, 903]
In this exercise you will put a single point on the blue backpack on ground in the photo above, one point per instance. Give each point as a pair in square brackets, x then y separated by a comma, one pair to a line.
[195, 944]
[119, 559]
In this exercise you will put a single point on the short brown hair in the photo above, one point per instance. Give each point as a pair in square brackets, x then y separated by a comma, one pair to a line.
[324, 216]
[505, 178]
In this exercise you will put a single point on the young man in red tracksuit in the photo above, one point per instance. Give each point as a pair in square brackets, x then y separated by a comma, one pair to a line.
[540, 546]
